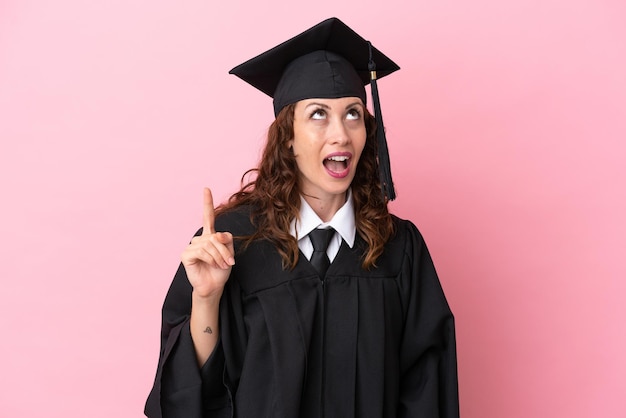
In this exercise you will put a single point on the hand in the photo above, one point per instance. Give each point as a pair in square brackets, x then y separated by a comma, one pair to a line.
[208, 260]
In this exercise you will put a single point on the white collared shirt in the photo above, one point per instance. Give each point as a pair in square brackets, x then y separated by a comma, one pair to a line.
[343, 222]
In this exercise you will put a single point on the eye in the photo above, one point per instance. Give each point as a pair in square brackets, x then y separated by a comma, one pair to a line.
[318, 113]
[353, 114]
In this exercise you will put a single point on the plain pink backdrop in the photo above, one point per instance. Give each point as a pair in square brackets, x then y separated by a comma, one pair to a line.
[506, 126]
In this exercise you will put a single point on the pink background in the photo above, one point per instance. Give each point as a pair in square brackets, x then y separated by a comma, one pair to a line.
[506, 125]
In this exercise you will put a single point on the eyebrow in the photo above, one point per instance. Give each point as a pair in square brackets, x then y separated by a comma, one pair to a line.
[322, 105]
[325, 106]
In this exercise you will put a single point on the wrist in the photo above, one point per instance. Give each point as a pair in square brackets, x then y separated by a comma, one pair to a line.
[206, 298]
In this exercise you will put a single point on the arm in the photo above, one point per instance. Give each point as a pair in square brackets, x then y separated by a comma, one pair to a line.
[429, 386]
[189, 376]
[204, 325]
[208, 261]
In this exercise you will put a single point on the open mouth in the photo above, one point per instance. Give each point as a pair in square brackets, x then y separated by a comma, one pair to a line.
[337, 165]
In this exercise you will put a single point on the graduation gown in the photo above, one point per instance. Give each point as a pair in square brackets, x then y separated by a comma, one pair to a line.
[358, 343]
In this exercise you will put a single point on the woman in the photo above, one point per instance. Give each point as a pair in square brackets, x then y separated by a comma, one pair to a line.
[303, 296]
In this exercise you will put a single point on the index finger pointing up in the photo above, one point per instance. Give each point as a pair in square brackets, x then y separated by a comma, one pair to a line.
[208, 218]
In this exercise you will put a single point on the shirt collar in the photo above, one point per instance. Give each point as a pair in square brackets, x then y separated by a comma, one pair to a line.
[343, 221]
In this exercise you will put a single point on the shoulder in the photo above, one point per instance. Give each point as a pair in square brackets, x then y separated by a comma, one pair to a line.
[237, 221]
[401, 249]
[406, 233]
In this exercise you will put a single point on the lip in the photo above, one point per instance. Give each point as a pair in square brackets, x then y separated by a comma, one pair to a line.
[339, 174]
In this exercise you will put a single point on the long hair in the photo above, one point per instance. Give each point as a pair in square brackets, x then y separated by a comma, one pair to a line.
[274, 194]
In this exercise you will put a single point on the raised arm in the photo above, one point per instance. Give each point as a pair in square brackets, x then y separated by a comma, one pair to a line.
[208, 261]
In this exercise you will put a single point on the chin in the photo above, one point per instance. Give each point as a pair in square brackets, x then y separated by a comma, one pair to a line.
[338, 189]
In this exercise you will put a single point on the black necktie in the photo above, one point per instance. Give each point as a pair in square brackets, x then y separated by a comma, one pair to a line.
[320, 238]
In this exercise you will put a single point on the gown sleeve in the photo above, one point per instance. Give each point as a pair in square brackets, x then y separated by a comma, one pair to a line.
[181, 388]
[428, 381]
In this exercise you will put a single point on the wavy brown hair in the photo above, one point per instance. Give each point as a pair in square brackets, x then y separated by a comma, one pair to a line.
[274, 194]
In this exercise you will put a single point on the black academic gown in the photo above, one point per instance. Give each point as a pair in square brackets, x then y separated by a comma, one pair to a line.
[359, 343]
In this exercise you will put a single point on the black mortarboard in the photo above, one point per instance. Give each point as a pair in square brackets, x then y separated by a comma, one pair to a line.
[329, 60]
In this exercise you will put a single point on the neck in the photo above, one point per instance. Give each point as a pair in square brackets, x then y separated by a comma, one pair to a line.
[325, 207]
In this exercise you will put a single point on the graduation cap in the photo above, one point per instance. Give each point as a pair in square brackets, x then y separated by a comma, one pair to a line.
[328, 61]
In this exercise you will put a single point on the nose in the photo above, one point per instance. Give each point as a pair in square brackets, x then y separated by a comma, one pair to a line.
[338, 133]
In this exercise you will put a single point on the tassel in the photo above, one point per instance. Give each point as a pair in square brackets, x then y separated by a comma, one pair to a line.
[384, 165]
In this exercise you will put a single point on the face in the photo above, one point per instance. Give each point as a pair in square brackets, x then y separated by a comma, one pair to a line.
[329, 136]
